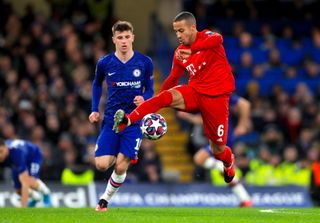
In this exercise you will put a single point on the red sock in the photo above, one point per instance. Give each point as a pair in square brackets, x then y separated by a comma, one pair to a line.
[162, 100]
[225, 156]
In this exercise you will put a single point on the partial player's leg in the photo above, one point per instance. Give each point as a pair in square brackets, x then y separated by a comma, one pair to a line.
[105, 154]
[127, 149]
[106, 148]
[118, 176]
[36, 183]
[224, 154]
[35, 197]
[168, 98]
[204, 158]
[236, 187]
[215, 114]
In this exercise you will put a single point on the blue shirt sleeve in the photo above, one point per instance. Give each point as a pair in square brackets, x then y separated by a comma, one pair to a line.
[149, 80]
[233, 100]
[97, 86]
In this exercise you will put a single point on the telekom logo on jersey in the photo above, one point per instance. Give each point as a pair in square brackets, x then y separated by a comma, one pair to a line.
[193, 70]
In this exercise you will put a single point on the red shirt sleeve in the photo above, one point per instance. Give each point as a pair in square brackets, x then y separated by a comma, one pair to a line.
[173, 79]
[206, 40]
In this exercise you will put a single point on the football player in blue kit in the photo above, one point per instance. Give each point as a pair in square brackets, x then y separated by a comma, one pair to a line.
[204, 156]
[129, 79]
[24, 159]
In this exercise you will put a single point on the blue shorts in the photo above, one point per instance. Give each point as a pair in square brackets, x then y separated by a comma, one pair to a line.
[33, 169]
[126, 142]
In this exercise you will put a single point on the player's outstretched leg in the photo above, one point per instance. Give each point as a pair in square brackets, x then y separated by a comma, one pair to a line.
[121, 120]
[102, 205]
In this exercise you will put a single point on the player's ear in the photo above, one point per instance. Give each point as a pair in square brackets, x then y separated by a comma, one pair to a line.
[113, 40]
[194, 27]
[132, 37]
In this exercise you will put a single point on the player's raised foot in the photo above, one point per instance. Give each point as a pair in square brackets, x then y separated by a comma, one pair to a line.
[246, 204]
[102, 205]
[47, 201]
[120, 121]
[229, 171]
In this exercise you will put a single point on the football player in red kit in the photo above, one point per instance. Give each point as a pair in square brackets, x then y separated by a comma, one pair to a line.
[210, 85]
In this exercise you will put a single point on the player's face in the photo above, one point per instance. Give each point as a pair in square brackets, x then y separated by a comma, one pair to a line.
[185, 32]
[123, 41]
[3, 153]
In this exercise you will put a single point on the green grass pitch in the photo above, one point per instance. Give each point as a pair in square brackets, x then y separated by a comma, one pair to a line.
[155, 215]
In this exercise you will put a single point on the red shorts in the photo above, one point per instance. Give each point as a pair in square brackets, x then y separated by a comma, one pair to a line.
[214, 111]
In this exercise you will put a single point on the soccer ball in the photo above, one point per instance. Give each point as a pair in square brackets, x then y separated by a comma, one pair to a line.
[153, 126]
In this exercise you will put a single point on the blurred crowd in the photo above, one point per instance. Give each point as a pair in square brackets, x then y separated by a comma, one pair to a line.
[47, 60]
[46, 66]
[48, 52]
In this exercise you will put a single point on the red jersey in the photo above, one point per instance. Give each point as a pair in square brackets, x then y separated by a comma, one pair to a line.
[208, 67]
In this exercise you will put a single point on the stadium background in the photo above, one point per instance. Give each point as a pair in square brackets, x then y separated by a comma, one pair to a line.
[48, 51]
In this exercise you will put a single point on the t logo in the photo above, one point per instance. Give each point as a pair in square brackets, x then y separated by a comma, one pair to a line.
[191, 69]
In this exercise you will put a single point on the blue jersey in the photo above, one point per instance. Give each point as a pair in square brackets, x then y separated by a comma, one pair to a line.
[124, 82]
[21, 155]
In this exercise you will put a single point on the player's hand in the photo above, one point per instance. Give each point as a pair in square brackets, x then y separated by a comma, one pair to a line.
[183, 54]
[94, 117]
[138, 100]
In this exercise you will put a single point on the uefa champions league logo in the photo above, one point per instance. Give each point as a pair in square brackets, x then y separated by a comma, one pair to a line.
[136, 73]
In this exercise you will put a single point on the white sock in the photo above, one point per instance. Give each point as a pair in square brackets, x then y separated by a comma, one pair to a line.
[219, 166]
[113, 186]
[35, 195]
[240, 192]
[210, 163]
[42, 187]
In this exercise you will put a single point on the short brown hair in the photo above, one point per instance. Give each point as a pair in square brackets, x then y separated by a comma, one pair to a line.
[187, 16]
[122, 26]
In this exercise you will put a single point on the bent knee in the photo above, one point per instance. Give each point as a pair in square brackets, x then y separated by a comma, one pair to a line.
[196, 159]
[103, 163]
[101, 166]
[200, 157]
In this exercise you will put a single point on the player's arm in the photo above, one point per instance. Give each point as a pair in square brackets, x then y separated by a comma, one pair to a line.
[195, 119]
[210, 40]
[148, 85]
[96, 92]
[244, 122]
[174, 76]
[24, 180]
